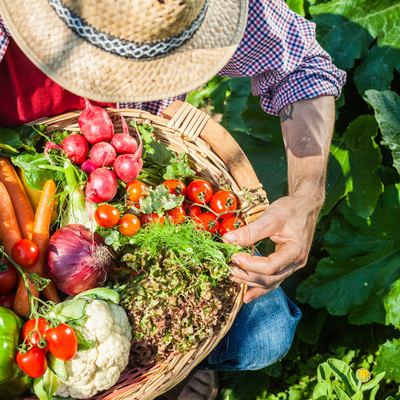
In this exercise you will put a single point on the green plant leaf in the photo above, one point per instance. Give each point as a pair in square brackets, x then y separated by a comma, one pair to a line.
[373, 382]
[297, 6]
[373, 393]
[344, 373]
[236, 103]
[260, 124]
[57, 366]
[363, 263]
[310, 324]
[364, 158]
[387, 113]
[269, 162]
[9, 142]
[321, 391]
[339, 182]
[392, 305]
[341, 393]
[50, 383]
[388, 360]
[347, 28]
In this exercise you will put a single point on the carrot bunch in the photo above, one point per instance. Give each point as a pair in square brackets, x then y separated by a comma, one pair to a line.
[18, 221]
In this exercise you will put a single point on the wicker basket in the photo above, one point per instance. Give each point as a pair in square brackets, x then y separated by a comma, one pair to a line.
[214, 154]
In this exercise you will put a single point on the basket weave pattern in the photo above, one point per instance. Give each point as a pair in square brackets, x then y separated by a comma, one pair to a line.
[187, 131]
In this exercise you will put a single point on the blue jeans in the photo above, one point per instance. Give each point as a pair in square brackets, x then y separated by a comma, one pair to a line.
[261, 334]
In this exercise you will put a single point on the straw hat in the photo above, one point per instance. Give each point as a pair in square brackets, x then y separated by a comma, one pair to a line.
[127, 50]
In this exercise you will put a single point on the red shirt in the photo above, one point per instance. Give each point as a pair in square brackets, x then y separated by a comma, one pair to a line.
[27, 94]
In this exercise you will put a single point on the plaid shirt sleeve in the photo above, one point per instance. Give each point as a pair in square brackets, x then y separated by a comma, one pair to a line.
[280, 53]
[4, 33]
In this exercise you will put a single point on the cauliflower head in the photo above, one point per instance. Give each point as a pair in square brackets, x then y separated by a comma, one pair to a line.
[99, 368]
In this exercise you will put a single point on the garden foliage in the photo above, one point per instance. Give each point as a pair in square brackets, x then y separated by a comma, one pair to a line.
[349, 292]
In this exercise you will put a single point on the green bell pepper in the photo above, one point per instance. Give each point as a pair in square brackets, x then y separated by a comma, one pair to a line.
[13, 381]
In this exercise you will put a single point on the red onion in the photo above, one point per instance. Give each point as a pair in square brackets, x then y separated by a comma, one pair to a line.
[77, 260]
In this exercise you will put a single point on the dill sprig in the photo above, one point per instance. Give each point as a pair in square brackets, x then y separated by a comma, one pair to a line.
[184, 240]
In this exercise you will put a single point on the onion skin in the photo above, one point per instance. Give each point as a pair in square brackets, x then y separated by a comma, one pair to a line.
[77, 260]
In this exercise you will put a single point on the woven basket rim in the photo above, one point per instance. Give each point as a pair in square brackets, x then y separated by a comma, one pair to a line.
[198, 151]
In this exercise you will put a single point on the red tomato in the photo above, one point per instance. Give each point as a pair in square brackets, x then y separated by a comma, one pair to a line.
[62, 342]
[176, 187]
[33, 363]
[209, 222]
[223, 201]
[134, 189]
[230, 224]
[34, 338]
[199, 191]
[191, 209]
[107, 216]
[25, 253]
[153, 217]
[7, 300]
[129, 225]
[8, 277]
[177, 215]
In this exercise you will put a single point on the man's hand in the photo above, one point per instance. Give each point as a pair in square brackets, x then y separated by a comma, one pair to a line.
[307, 127]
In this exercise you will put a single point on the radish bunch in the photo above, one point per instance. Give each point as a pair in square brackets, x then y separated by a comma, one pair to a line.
[111, 156]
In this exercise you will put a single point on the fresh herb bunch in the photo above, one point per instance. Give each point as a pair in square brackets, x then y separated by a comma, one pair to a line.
[181, 294]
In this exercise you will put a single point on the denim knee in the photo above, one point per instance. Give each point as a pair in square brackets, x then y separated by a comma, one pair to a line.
[261, 334]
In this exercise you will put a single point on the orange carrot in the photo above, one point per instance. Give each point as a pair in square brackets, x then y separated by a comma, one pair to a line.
[22, 206]
[40, 238]
[9, 230]
[50, 291]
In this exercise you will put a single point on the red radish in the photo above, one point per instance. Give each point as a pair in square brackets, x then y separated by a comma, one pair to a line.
[75, 147]
[124, 143]
[95, 124]
[127, 168]
[88, 166]
[103, 154]
[101, 186]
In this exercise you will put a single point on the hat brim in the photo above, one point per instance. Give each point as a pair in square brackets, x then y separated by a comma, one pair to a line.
[88, 71]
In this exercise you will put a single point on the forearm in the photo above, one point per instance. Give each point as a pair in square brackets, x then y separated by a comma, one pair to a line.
[307, 127]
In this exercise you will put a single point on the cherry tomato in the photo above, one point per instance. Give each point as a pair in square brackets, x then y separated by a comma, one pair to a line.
[8, 277]
[7, 300]
[34, 338]
[153, 217]
[223, 201]
[129, 225]
[62, 341]
[107, 216]
[208, 222]
[134, 189]
[33, 363]
[177, 215]
[191, 209]
[25, 253]
[199, 191]
[176, 187]
[230, 224]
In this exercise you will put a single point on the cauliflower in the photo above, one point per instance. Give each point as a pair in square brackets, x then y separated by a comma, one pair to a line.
[99, 368]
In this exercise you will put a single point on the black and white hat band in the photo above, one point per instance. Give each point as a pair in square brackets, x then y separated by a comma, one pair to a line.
[139, 51]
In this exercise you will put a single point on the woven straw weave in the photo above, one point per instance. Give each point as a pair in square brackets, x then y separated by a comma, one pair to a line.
[182, 134]
[146, 21]
[90, 72]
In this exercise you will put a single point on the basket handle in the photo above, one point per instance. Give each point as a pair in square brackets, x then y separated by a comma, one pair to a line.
[193, 123]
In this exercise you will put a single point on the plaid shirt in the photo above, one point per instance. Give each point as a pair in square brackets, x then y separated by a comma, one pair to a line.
[278, 51]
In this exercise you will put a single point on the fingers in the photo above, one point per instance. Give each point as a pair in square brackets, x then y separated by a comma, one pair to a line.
[257, 230]
[287, 255]
[255, 293]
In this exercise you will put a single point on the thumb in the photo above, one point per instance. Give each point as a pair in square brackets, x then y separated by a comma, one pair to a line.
[247, 235]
